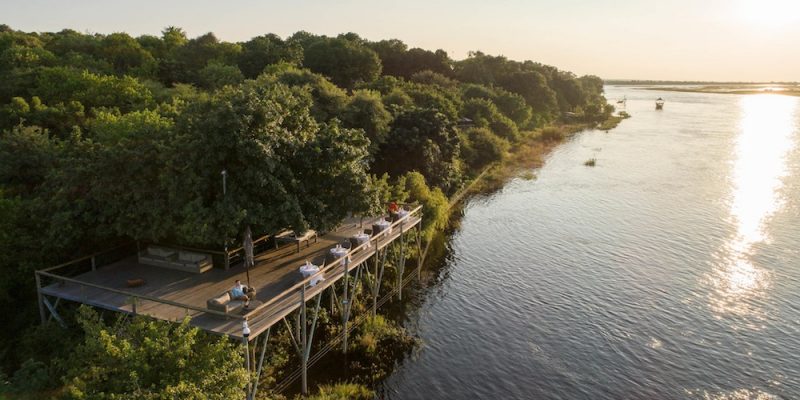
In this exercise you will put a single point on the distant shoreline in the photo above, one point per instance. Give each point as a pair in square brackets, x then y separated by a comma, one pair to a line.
[630, 82]
[734, 89]
[787, 89]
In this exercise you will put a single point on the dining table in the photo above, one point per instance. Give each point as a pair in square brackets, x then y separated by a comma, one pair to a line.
[309, 269]
[336, 253]
[360, 238]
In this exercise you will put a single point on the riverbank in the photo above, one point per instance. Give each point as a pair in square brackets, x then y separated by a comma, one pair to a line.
[530, 152]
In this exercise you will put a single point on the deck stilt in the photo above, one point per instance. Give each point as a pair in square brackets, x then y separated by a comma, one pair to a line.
[345, 306]
[40, 297]
[420, 256]
[252, 394]
[53, 312]
[401, 263]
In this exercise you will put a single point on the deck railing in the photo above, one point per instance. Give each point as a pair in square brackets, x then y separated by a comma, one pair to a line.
[374, 240]
[135, 298]
[47, 276]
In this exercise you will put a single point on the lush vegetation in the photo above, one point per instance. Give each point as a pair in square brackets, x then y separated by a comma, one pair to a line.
[107, 138]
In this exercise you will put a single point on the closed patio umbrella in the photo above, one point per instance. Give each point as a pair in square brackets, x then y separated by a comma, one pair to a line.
[249, 259]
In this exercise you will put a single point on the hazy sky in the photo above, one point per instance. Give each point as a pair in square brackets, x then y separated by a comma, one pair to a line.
[752, 40]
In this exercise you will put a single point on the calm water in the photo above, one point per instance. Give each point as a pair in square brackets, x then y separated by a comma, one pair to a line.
[670, 270]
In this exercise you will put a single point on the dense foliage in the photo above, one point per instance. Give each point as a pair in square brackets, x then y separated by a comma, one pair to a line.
[105, 138]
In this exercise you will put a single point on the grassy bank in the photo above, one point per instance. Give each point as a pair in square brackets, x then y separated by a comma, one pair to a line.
[527, 154]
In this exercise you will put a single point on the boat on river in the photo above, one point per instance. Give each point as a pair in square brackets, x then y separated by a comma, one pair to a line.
[659, 104]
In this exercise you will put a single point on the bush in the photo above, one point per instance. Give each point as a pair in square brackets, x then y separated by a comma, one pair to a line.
[434, 203]
[484, 113]
[32, 376]
[504, 127]
[480, 147]
[341, 391]
[552, 133]
[144, 358]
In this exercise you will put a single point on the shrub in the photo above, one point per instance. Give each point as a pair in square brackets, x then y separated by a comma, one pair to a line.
[434, 202]
[341, 391]
[552, 133]
[480, 147]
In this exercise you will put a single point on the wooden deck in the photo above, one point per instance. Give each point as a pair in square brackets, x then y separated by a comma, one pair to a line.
[171, 295]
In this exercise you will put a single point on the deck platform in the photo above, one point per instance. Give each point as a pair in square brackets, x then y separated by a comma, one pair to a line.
[172, 295]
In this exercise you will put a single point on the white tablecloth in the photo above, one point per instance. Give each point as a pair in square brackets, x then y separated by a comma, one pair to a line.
[384, 225]
[402, 213]
[308, 270]
[338, 252]
[362, 238]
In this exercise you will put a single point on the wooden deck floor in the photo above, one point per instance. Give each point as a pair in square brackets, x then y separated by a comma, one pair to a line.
[274, 273]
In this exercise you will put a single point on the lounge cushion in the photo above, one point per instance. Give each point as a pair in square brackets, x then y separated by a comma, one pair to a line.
[191, 256]
[221, 300]
[160, 251]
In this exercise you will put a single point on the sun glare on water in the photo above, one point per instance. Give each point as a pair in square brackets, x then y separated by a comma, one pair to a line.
[766, 136]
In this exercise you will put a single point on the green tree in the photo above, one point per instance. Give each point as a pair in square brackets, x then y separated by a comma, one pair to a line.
[365, 111]
[484, 113]
[265, 50]
[63, 85]
[126, 55]
[140, 358]
[422, 140]
[479, 147]
[283, 168]
[433, 201]
[344, 61]
[532, 86]
[216, 75]
[328, 99]
[137, 147]
[514, 107]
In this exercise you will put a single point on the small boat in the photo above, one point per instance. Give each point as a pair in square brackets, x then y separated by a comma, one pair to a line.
[659, 104]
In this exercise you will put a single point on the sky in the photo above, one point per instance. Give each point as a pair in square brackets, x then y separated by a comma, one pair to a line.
[714, 40]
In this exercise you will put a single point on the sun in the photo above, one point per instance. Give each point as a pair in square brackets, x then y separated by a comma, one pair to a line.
[769, 14]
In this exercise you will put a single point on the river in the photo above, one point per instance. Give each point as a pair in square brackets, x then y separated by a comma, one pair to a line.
[670, 270]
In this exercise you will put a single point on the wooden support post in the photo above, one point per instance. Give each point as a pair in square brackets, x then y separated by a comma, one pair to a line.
[345, 306]
[420, 256]
[303, 342]
[133, 305]
[40, 297]
[53, 312]
[246, 342]
[375, 282]
[94, 264]
[260, 364]
[58, 300]
[401, 264]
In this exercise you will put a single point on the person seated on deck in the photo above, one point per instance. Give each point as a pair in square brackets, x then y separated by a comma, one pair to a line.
[393, 210]
[242, 293]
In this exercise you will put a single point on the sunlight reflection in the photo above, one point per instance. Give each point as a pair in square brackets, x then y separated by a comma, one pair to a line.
[766, 136]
